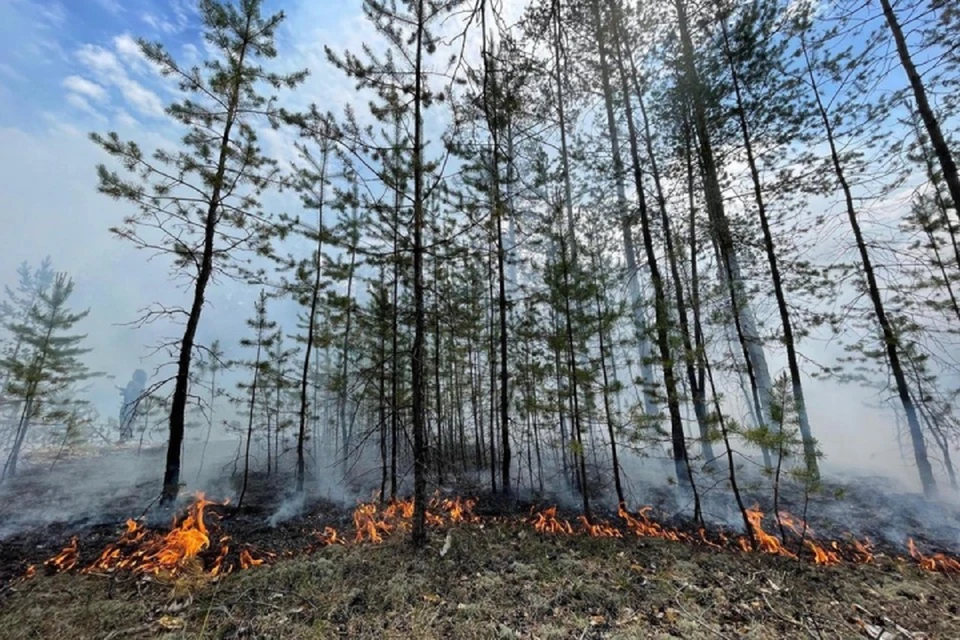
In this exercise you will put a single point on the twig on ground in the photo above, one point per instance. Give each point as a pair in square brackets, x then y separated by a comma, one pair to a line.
[128, 631]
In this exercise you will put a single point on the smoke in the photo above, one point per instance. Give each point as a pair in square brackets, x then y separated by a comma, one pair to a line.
[107, 486]
[122, 482]
[290, 508]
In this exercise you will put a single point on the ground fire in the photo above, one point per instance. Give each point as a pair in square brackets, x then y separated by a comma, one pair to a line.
[140, 550]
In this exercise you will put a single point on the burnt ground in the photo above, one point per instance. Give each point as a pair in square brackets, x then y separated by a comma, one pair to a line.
[500, 579]
[497, 581]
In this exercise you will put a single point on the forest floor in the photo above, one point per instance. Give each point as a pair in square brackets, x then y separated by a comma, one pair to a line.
[499, 580]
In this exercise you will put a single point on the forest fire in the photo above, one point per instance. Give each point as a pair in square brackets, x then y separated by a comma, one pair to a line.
[142, 551]
[66, 559]
[935, 562]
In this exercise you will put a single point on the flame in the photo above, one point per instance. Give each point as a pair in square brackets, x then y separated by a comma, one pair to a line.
[66, 559]
[643, 527]
[143, 551]
[247, 560]
[765, 542]
[864, 550]
[329, 537]
[458, 510]
[546, 521]
[600, 529]
[936, 562]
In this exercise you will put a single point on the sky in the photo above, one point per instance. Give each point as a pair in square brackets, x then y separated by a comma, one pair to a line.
[68, 68]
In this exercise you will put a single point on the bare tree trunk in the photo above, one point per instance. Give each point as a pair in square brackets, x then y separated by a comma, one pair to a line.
[311, 324]
[419, 534]
[608, 412]
[629, 250]
[806, 434]
[755, 359]
[343, 398]
[696, 389]
[930, 122]
[890, 339]
[572, 364]
[253, 404]
[206, 441]
[178, 405]
[678, 438]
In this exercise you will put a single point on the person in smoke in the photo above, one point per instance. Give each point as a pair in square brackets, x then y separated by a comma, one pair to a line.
[131, 400]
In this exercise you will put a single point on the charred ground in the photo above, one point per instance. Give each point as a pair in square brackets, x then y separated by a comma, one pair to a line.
[496, 581]
[499, 577]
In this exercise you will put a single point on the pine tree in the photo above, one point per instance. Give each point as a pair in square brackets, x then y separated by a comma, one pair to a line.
[399, 80]
[265, 336]
[199, 204]
[42, 375]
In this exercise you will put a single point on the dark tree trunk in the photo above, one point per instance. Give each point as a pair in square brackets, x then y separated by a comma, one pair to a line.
[678, 438]
[178, 404]
[419, 534]
[891, 342]
[940, 148]
[311, 330]
[809, 444]
[253, 405]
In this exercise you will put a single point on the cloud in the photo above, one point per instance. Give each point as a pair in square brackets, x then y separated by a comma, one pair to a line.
[11, 73]
[79, 102]
[125, 120]
[111, 71]
[85, 88]
[126, 45]
[111, 6]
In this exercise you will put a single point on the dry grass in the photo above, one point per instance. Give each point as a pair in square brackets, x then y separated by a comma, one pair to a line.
[496, 582]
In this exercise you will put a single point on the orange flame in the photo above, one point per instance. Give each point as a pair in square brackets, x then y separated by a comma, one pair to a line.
[936, 562]
[546, 521]
[247, 560]
[141, 550]
[643, 527]
[600, 529]
[66, 559]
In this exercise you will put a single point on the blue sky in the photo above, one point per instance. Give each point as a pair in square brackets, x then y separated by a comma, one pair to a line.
[72, 67]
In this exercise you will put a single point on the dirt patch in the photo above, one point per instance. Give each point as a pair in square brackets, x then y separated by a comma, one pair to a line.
[496, 581]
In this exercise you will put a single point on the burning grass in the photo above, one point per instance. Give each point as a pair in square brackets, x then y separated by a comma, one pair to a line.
[189, 544]
[499, 580]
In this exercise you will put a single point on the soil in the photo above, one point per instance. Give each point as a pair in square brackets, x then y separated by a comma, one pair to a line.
[499, 579]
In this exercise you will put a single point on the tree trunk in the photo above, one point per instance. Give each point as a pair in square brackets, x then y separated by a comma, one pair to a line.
[253, 404]
[419, 534]
[629, 250]
[891, 342]
[572, 364]
[930, 122]
[678, 438]
[755, 359]
[696, 389]
[611, 430]
[806, 434]
[346, 429]
[311, 325]
[178, 404]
